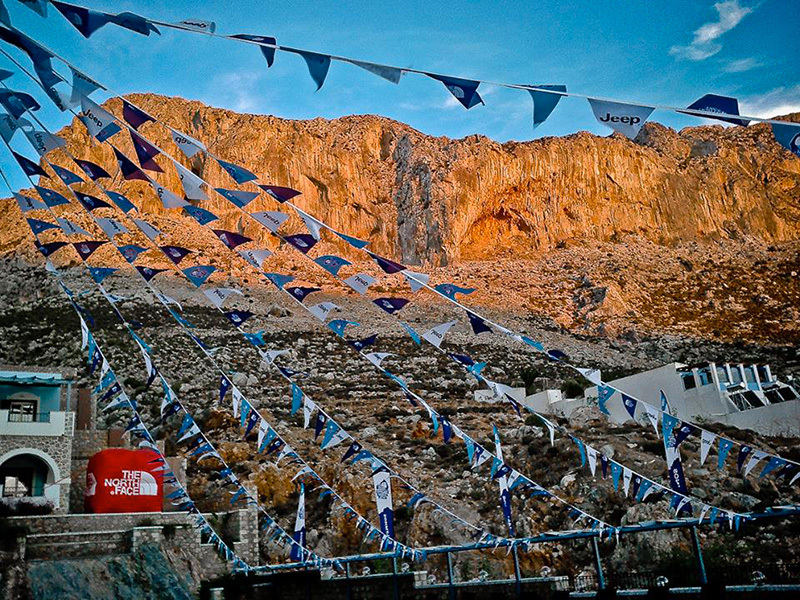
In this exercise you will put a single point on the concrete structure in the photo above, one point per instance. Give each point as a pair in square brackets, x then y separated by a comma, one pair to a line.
[37, 423]
[744, 396]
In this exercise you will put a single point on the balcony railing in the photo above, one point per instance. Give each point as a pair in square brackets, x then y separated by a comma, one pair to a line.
[14, 417]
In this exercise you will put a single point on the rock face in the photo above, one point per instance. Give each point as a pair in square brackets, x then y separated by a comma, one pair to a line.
[437, 201]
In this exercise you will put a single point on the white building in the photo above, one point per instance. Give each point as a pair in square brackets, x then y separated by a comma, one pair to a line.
[744, 396]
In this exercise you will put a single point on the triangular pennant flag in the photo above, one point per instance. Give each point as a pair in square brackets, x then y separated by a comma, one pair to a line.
[630, 405]
[99, 274]
[91, 203]
[121, 201]
[391, 305]
[148, 273]
[626, 119]
[713, 103]
[111, 227]
[131, 252]
[436, 335]
[82, 85]
[391, 74]
[98, 121]
[725, 446]
[70, 228]
[238, 174]
[788, 136]
[270, 219]
[300, 293]
[450, 290]
[146, 153]
[169, 199]
[134, 116]
[128, 168]
[388, 266]
[416, 281]
[312, 224]
[339, 325]
[199, 273]
[218, 295]
[240, 198]
[28, 166]
[85, 20]
[86, 249]
[151, 232]
[652, 416]
[331, 263]
[463, 90]
[281, 194]
[186, 144]
[51, 198]
[43, 141]
[706, 440]
[201, 215]
[360, 282]
[175, 253]
[477, 323]
[267, 50]
[38, 226]
[230, 238]
[318, 64]
[544, 102]
[302, 241]
[238, 317]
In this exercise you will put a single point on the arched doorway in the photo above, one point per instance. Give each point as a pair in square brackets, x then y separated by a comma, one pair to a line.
[28, 474]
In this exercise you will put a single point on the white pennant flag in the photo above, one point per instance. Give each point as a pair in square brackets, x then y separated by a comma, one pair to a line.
[269, 356]
[627, 475]
[376, 358]
[757, 457]
[360, 282]
[70, 228]
[652, 416]
[104, 368]
[94, 117]
[312, 224]
[219, 295]
[481, 458]
[82, 86]
[27, 204]
[255, 257]
[150, 231]
[416, 281]
[198, 25]
[111, 227]
[271, 219]
[84, 334]
[167, 197]
[262, 431]
[681, 504]
[188, 145]
[322, 310]
[436, 335]
[192, 184]
[591, 453]
[592, 375]
[43, 141]
[551, 428]
[626, 119]
[236, 398]
[308, 410]
[706, 440]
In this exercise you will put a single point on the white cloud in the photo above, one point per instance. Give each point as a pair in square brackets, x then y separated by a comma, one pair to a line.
[777, 102]
[704, 44]
[741, 65]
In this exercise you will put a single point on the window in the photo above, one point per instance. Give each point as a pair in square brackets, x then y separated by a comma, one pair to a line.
[688, 381]
[14, 487]
[749, 375]
[736, 375]
[762, 373]
[22, 411]
[705, 376]
[787, 393]
[722, 374]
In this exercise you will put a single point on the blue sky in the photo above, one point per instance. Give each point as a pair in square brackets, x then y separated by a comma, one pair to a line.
[665, 53]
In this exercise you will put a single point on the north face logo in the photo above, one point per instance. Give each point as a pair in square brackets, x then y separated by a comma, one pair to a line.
[132, 483]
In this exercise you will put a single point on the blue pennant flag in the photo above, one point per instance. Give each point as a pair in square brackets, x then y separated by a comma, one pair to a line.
[297, 398]
[744, 451]
[240, 198]
[38, 226]
[478, 325]
[86, 249]
[604, 393]
[684, 431]
[67, 176]
[131, 252]
[470, 448]
[100, 273]
[774, 463]
[388, 266]
[121, 201]
[533, 344]
[410, 331]
[463, 90]
[713, 103]
[148, 272]
[91, 203]
[301, 241]
[339, 325]
[668, 423]
[322, 420]
[630, 405]
[185, 425]
[201, 215]
[363, 343]
[238, 317]
[318, 65]
[677, 480]
[616, 472]
[224, 386]
[257, 338]
[199, 273]
[230, 238]
[28, 166]
[788, 136]
[269, 53]
[51, 198]
[301, 293]
[134, 116]
[281, 194]
[644, 486]
[352, 450]
[581, 449]
[128, 168]
[16, 103]
[175, 253]
[391, 305]
[354, 242]
[93, 171]
[279, 279]
[252, 420]
[450, 290]
[331, 263]
[544, 102]
[146, 153]
[447, 430]
[238, 174]
[85, 20]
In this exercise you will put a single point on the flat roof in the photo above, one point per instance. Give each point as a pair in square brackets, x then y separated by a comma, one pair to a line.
[33, 378]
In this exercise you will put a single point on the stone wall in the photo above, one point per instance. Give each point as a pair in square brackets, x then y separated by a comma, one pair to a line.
[75, 536]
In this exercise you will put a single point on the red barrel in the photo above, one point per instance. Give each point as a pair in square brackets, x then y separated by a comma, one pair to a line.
[119, 481]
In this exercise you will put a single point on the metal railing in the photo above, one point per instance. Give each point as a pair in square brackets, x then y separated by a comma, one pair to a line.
[15, 417]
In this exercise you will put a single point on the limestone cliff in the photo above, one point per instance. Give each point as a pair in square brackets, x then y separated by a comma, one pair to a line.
[436, 201]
